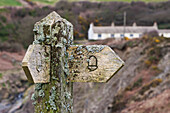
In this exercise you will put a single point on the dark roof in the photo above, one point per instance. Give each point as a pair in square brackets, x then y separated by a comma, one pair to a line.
[120, 29]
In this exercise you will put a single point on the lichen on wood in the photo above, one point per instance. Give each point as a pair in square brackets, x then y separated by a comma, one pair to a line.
[56, 96]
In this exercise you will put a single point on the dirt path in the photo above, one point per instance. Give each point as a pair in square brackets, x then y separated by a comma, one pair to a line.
[25, 4]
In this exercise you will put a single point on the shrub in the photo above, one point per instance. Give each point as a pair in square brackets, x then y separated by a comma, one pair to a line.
[152, 58]
[11, 47]
[155, 67]
[3, 19]
[138, 83]
[157, 41]
[119, 103]
[0, 75]
[32, 13]
[148, 63]
[153, 83]
[21, 13]
[126, 38]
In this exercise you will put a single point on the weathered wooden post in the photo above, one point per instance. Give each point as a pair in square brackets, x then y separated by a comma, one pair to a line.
[53, 63]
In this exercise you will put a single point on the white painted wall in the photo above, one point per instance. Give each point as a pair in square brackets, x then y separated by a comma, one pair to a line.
[90, 32]
[167, 35]
[134, 35]
[117, 35]
[94, 36]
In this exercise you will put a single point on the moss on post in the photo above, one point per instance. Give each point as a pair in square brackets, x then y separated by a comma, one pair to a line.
[56, 96]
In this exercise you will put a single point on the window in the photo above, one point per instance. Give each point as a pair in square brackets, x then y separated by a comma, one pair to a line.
[112, 35]
[99, 35]
[131, 35]
[122, 35]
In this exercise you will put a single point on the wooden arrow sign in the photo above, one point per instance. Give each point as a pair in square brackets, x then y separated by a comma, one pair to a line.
[35, 64]
[93, 63]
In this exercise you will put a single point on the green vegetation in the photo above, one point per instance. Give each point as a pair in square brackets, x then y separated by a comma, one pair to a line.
[3, 10]
[163, 26]
[3, 84]
[54, 1]
[19, 28]
[50, 2]
[131, 0]
[3, 18]
[0, 75]
[9, 3]
[119, 103]
[153, 83]
[138, 83]
[5, 31]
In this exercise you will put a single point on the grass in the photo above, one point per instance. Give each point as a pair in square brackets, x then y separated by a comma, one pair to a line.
[3, 10]
[132, 0]
[51, 2]
[0, 75]
[9, 3]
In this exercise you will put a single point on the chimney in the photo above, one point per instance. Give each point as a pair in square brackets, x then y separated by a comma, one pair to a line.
[91, 25]
[155, 24]
[112, 24]
[134, 24]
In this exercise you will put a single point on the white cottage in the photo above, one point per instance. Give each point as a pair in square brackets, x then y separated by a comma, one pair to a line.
[119, 32]
[164, 33]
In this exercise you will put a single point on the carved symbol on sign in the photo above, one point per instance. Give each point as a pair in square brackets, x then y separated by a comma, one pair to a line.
[92, 63]
[39, 62]
[35, 66]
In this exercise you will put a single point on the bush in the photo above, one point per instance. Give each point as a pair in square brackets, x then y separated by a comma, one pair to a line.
[0, 75]
[11, 47]
[138, 83]
[32, 13]
[148, 63]
[3, 19]
[153, 83]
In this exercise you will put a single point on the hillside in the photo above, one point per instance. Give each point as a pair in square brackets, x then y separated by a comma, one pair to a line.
[52, 2]
[16, 24]
[10, 3]
[143, 80]
[142, 85]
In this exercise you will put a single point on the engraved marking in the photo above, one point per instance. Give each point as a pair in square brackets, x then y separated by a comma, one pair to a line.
[39, 62]
[92, 63]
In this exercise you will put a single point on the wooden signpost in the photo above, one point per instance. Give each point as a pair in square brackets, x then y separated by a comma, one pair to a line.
[52, 62]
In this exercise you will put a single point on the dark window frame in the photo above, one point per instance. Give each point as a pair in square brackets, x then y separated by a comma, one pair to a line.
[99, 35]
[112, 35]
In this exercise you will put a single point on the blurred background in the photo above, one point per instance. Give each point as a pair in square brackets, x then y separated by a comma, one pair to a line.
[141, 86]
